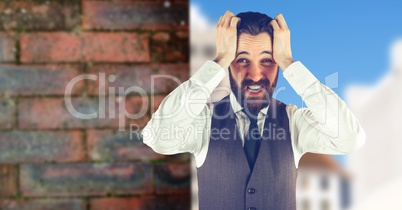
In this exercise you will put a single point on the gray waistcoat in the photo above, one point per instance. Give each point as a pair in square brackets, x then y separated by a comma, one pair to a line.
[225, 180]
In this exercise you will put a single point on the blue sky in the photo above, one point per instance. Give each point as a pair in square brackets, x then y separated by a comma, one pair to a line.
[349, 37]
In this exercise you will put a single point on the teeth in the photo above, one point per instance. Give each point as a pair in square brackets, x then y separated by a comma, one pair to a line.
[254, 88]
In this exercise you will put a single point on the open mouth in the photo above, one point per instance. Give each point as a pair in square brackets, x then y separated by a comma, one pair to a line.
[254, 88]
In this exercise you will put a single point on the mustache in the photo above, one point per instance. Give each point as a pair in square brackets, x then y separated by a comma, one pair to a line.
[264, 82]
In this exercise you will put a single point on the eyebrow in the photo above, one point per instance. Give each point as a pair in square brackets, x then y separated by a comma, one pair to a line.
[246, 53]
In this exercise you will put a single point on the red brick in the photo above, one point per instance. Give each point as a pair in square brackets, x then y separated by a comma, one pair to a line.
[47, 15]
[116, 203]
[8, 181]
[7, 47]
[85, 179]
[170, 47]
[33, 113]
[135, 107]
[40, 146]
[170, 76]
[155, 101]
[182, 34]
[104, 145]
[177, 202]
[82, 47]
[181, 202]
[46, 204]
[140, 76]
[7, 113]
[172, 178]
[161, 36]
[39, 79]
[135, 15]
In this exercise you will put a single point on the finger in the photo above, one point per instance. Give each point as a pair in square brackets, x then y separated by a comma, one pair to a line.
[219, 21]
[228, 12]
[274, 25]
[227, 18]
[281, 21]
[233, 23]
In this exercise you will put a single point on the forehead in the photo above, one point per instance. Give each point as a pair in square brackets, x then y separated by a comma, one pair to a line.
[258, 43]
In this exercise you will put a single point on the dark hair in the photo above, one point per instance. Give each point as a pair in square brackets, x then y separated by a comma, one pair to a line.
[254, 23]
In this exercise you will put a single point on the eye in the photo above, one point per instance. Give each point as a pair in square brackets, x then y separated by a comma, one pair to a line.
[242, 62]
[267, 60]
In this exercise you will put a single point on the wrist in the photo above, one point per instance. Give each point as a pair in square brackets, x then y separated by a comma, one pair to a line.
[286, 63]
[223, 61]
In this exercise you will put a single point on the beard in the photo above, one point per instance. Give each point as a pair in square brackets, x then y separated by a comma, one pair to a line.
[252, 104]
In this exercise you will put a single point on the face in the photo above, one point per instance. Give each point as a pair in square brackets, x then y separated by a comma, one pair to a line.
[253, 72]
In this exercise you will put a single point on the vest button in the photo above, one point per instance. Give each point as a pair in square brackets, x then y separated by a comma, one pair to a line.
[251, 190]
[251, 208]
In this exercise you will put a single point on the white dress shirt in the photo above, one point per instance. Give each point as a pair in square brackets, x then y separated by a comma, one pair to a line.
[182, 122]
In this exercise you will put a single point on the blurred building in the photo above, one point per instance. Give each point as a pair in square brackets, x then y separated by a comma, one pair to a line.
[322, 184]
[202, 39]
[202, 48]
[377, 170]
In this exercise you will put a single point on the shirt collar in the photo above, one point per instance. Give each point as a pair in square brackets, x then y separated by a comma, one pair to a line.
[238, 108]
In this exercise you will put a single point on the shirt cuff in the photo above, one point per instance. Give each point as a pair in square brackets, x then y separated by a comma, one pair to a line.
[209, 75]
[299, 77]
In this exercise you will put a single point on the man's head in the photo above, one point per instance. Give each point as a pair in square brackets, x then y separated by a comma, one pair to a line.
[253, 72]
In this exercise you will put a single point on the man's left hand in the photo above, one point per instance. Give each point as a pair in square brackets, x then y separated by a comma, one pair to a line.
[282, 51]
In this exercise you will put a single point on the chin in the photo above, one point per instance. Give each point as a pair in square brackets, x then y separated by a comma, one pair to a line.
[255, 104]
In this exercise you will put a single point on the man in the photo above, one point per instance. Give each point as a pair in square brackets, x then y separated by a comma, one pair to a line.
[247, 145]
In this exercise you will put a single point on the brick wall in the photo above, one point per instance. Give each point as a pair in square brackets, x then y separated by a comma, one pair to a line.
[50, 159]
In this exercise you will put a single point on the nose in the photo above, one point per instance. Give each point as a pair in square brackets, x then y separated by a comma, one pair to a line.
[255, 73]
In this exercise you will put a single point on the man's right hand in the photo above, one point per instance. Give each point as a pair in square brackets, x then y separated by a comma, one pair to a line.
[226, 39]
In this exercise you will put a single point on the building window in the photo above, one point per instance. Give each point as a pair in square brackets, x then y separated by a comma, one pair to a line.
[324, 182]
[325, 205]
[306, 205]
